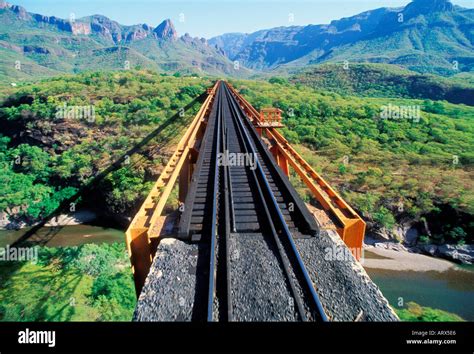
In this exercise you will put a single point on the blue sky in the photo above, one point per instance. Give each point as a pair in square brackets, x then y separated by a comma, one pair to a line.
[207, 18]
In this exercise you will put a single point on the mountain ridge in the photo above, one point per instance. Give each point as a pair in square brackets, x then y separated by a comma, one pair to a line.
[96, 24]
[424, 36]
[90, 43]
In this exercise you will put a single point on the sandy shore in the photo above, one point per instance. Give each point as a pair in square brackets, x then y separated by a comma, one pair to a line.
[403, 261]
[77, 218]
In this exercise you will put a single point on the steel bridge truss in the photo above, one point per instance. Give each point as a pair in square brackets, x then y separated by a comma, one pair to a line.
[142, 236]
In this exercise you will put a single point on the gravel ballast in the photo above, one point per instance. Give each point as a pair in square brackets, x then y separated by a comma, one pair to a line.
[175, 289]
[171, 288]
[259, 287]
[344, 288]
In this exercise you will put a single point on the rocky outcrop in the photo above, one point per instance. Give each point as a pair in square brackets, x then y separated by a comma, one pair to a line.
[10, 46]
[77, 218]
[81, 28]
[20, 12]
[166, 30]
[458, 253]
[35, 49]
[173, 290]
[64, 25]
[107, 28]
[405, 232]
[93, 35]
[220, 50]
[138, 32]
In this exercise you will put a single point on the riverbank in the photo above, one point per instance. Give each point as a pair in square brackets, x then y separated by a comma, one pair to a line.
[395, 256]
[76, 218]
[64, 236]
[402, 260]
[82, 217]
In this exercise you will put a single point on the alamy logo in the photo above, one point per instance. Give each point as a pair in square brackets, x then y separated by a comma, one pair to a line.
[19, 254]
[344, 254]
[401, 112]
[37, 337]
[76, 112]
[233, 159]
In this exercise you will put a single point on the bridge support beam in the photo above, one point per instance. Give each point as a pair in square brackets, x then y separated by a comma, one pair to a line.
[184, 179]
[281, 160]
[140, 256]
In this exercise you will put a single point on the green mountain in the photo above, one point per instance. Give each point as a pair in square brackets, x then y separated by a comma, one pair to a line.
[427, 36]
[383, 80]
[35, 46]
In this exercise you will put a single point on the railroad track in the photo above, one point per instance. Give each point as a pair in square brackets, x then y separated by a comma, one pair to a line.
[243, 207]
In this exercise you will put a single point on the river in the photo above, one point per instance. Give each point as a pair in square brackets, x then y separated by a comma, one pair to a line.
[452, 290]
[72, 235]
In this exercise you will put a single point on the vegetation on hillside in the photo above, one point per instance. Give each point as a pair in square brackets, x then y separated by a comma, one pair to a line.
[35, 46]
[45, 158]
[392, 169]
[381, 80]
[85, 283]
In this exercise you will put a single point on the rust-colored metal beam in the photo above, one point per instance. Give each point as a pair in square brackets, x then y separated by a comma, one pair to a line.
[350, 226]
[140, 233]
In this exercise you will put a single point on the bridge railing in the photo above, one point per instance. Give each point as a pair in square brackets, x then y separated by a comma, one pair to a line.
[140, 234]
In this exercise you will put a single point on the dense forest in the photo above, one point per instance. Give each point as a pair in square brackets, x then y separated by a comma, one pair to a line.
[46, 154]
[85, 283]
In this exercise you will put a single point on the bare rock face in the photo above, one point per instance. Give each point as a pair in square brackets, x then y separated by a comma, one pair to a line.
[35, 49]
[4, 5]
[11, 46]
[64, 25]
[81, 28]
[138, 32]
[20, 12]
[166, 31]
[107, 28]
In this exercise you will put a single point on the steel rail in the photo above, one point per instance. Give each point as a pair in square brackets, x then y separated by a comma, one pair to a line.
[225, 235]
[213, 235]
[244, 139]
